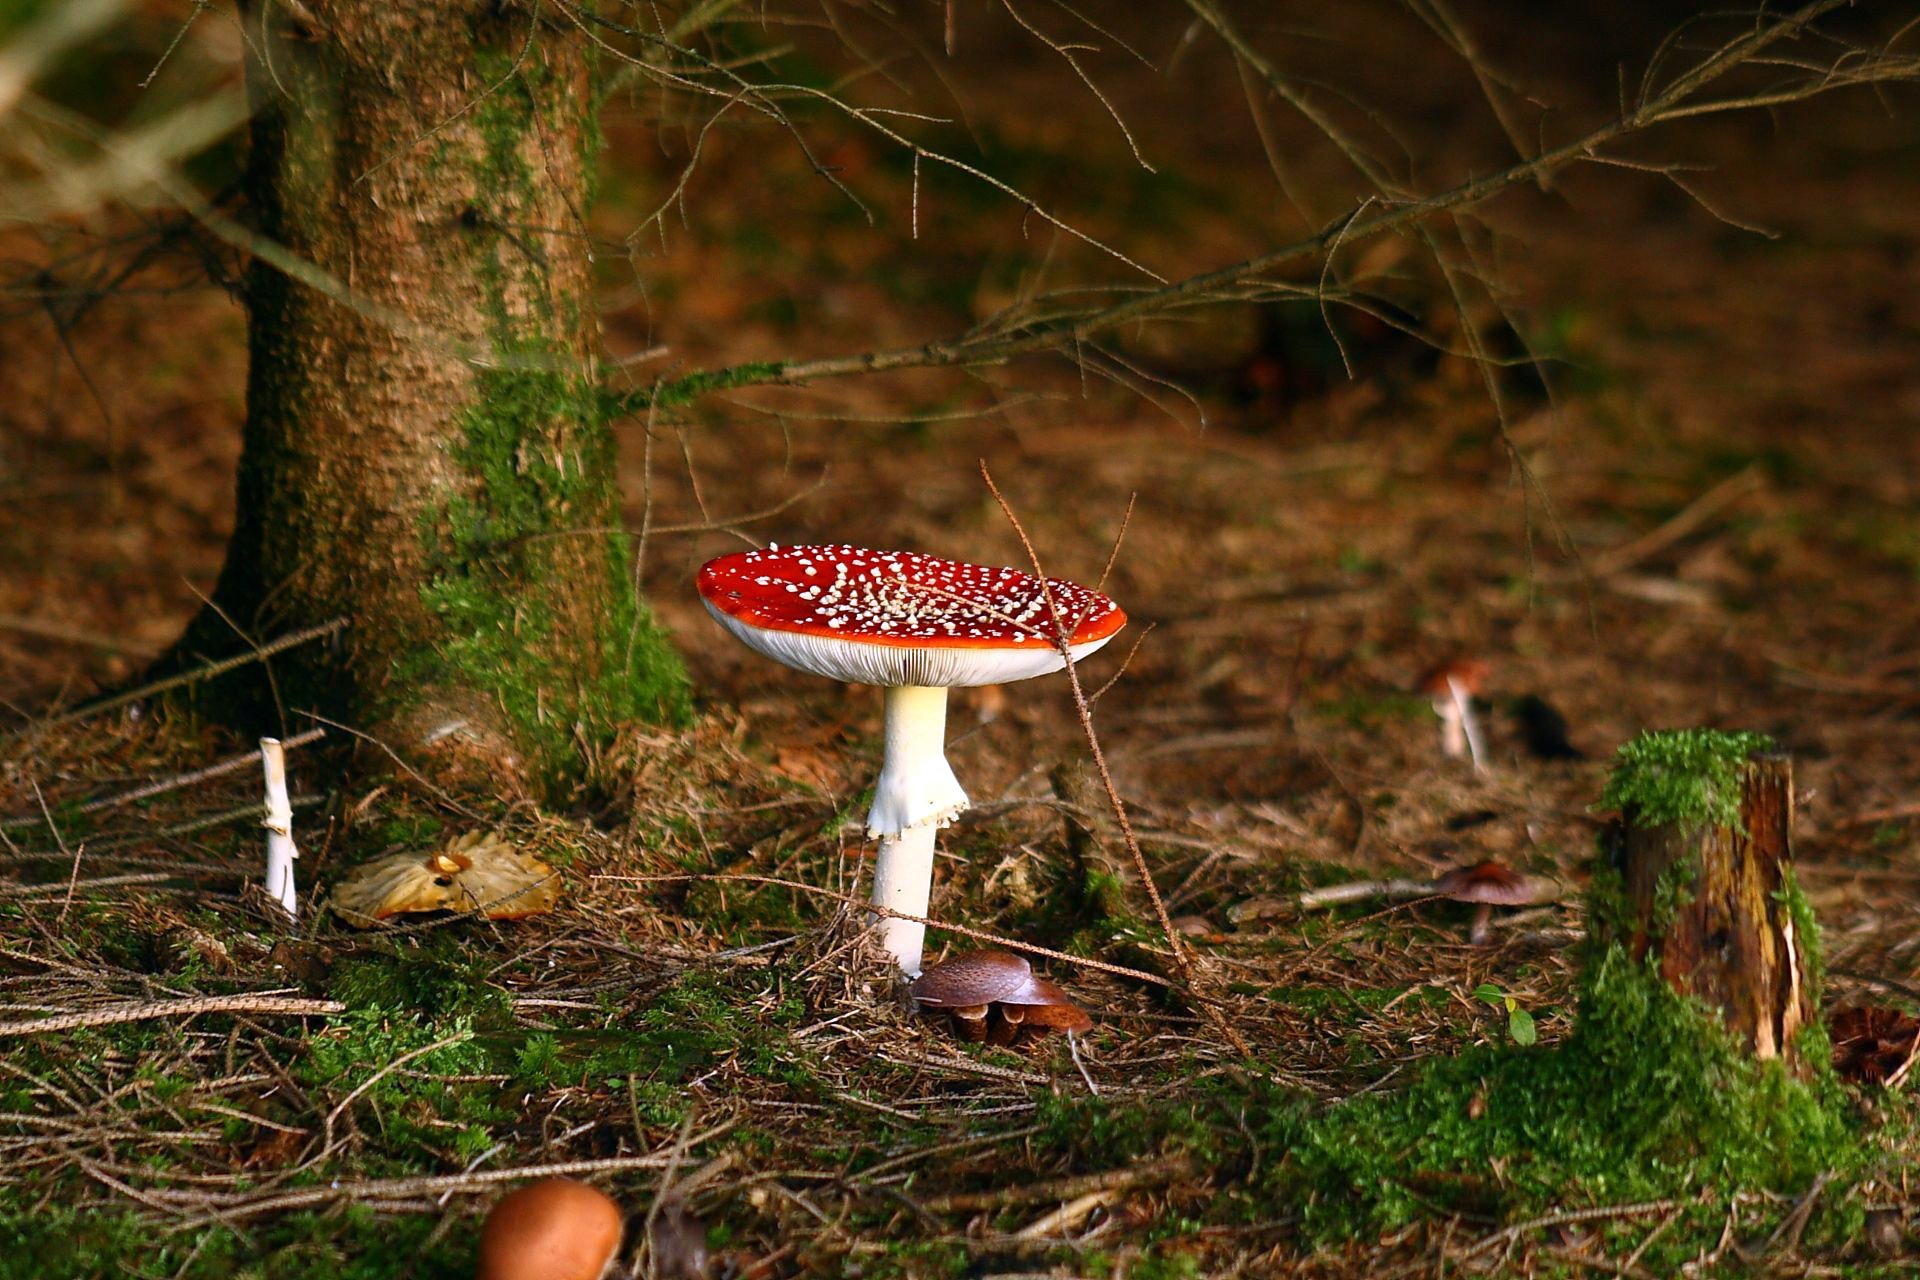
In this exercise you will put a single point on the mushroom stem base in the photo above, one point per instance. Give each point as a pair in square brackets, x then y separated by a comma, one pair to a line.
[916, 784]
[903, 881]
[1467, 727]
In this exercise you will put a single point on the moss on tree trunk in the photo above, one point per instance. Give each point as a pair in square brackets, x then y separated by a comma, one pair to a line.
[426, 447]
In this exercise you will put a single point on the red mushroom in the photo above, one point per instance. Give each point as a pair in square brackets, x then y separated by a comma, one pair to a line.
[915, 625]
[1452, 685]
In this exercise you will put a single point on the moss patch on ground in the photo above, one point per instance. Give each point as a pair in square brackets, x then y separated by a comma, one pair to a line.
[1649, 1098]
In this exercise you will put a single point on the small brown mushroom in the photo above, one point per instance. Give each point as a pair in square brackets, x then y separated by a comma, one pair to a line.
[1042, 1006]
[557, 1229]
[1488, 885]
[1452, 685]
[970, 1022]
[995, 997]
[966, 986]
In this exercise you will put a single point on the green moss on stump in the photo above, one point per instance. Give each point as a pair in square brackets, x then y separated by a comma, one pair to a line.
[1682, 776]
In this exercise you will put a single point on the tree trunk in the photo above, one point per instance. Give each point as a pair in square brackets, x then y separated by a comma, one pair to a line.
[426, 449]
[1714, 904]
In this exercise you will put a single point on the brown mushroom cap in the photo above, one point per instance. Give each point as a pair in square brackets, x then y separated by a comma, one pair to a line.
[1043, 1005]
[558, 1229]
[1059, 1017]
[1037, 990]
[1438, 681]
[971, 978]
[1490, 882]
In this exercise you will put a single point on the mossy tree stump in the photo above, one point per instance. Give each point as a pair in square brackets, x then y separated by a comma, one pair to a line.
[1705, 895]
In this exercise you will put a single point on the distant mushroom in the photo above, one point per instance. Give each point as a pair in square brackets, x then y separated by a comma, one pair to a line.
[1488, 885]
[915, 625]
[966, 986]
[281, 851]
[1452, 685]
[557, 1229]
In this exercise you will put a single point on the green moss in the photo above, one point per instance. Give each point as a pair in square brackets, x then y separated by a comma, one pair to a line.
[1648, 1098]
[674, 392]
[493, 583]
[1682, 775]
[353, 1243]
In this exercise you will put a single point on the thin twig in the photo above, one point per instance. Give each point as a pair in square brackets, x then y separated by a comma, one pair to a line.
[207, 672]
[185, 1008]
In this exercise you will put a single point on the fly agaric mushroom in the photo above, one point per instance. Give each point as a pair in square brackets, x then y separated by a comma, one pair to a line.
[916, 625]
[966, 986]
[1488, 885]
[1452, 685]
[557, 1229]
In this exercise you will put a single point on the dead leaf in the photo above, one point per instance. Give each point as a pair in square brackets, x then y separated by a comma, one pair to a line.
[479, 871]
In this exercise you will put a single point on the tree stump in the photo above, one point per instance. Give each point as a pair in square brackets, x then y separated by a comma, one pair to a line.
[1707, 892]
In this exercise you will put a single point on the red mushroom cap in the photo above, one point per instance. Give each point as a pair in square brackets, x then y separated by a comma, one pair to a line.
[899, 617]
[1469, 673]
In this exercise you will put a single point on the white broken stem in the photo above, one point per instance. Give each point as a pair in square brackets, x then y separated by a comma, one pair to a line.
[1361, 890]
[279, 824]
[914, 797]
[1467, 725]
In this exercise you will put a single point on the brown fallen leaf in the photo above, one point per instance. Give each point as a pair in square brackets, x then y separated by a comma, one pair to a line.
[480, 871]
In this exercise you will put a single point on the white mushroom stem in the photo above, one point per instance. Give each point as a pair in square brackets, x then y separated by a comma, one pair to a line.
[915, 796]
[1453, 738]
[279, 824]
[1482, 925]
[1468, 726]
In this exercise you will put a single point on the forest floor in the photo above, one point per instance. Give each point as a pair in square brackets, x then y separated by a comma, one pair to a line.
[1715, 525]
